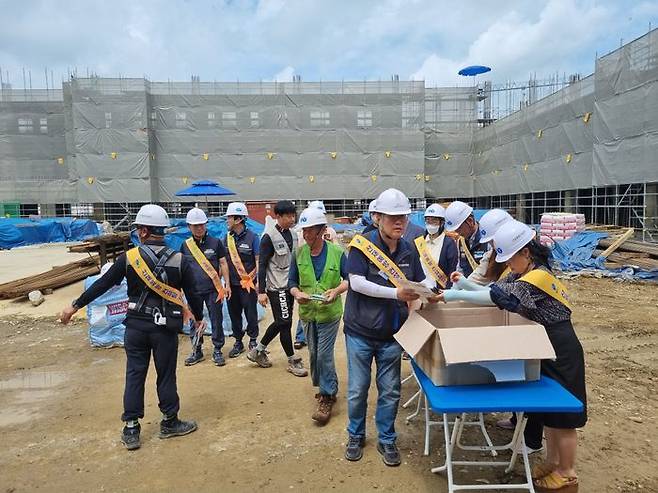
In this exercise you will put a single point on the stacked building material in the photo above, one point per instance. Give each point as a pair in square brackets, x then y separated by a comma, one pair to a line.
[558, 226]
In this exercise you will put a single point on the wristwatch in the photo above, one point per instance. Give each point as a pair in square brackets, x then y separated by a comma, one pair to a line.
[75, 305]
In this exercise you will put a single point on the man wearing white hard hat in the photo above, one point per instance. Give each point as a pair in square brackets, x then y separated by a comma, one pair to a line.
[460, 219]
[438, 253]
[242, 245]
[533, 291]
[277, 247]
[207, 256]
[317, 279]
[155, 276]
[377, 304]
[488, 270]
[374, 218]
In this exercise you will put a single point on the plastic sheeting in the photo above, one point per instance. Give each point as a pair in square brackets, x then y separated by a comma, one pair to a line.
[21, 232]
[106, 314]
[216, 228]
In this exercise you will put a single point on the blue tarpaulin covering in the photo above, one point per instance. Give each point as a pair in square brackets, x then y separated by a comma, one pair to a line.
[21, 232]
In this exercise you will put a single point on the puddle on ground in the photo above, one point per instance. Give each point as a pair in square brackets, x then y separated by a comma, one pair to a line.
[10, 416]
[34, 380]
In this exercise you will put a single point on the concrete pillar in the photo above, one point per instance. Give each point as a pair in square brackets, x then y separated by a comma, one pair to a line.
[651, 207]
[569, 201]
[99, 212]
[47, 210]
[520, 212]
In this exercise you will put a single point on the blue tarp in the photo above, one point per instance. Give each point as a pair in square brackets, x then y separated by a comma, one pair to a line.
[21, 232]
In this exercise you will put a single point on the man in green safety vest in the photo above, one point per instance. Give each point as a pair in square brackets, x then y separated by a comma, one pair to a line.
[316, 279]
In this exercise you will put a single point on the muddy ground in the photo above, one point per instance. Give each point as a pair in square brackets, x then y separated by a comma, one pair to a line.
[60, 403]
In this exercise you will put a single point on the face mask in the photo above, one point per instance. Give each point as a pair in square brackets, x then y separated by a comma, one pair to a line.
[433, 229]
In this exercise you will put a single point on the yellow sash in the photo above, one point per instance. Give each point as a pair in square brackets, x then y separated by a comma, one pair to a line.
[206, 266]
[246, 279]
[432, 266]
[469, 257]
[163, 290]
[379, 258]
[505, 273]
[549, 284]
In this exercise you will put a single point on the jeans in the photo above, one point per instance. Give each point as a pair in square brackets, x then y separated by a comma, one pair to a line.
[387, 355]
[321, 341]
[299, 335]
[245, 301]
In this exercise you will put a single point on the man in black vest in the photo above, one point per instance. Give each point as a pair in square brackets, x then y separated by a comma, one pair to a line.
[152, 323]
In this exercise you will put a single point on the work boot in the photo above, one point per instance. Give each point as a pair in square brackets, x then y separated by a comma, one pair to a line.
[194, 358]
[354, 449]
[130, 437]
[175, 427]
[325, 405]
[237, 350]
[299, 344]
[390, 453]
[259, 357]
[252, 343]
[218, 358]
[296, 367]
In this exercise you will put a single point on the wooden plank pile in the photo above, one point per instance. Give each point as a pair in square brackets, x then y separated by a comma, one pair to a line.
[108, 246]
[55, 278]
[623, 251]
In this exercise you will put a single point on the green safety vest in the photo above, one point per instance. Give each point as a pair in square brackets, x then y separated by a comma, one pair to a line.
[315, 311]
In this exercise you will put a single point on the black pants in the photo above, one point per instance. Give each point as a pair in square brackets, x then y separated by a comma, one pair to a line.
[243, 301]
[282, 302]
[139, 343]
[534, 430]
[216, 320]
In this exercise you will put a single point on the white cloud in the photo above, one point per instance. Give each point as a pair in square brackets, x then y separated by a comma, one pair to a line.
[285, 75]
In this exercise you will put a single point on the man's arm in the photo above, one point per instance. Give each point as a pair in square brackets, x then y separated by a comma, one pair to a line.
[223, 267]
[188, 284]
[265, 253]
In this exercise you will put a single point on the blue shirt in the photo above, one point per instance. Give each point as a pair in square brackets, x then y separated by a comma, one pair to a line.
[248, 244]
[319, 261]
[379, 318]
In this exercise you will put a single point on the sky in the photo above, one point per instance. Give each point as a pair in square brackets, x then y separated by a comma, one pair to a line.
[269, 40]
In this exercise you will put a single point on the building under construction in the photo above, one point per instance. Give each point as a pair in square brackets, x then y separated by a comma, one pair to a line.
[101, 147]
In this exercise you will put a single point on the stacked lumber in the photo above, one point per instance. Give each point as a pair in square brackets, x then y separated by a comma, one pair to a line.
[107, 246]
[55, 278]
[623, 251]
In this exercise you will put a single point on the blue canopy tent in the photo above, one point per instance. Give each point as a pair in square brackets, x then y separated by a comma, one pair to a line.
[204, 188]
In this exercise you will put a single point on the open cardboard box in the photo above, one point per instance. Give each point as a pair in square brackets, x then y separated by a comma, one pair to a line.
[463, 344]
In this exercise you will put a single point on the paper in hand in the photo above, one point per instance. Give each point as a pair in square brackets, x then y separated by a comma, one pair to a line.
[419, 288]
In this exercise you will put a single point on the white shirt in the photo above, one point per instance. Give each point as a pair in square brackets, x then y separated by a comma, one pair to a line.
[435, 246]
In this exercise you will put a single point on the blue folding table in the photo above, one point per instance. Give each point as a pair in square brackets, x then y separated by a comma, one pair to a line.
[544, 395]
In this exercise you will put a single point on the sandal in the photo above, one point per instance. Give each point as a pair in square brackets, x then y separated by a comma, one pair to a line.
[554, 482]
[542, 469]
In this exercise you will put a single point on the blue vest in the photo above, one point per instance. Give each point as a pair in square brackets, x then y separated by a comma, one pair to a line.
[379, 318]
[476, 248]
[209, 245]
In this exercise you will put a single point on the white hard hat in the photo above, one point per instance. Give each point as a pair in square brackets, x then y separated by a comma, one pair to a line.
[372, 206]
[490, 222]
[311, 217]
[435, 210]
[196, 216]
[152, 215]
[237, 209]
[317, 204]
[511, 237]
[392, 202]
[456, 214]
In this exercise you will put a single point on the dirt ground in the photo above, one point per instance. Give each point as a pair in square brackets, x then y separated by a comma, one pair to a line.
[60, 403]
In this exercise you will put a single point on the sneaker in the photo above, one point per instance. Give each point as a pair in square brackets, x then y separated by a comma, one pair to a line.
[296, 367]
[390, 453]
[530, 450]
[194, 358]
[130, 437]
[218, 358]
[175, 427]
[354, 449]
[405, 356]
[505, 424]
[325, 405]
[236, 350]
[252, 343]
[259, 357]
[299, 344]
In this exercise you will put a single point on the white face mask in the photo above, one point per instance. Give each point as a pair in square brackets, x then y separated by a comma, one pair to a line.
[433, 229]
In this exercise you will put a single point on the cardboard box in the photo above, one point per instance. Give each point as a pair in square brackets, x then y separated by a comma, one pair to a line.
[462, 344]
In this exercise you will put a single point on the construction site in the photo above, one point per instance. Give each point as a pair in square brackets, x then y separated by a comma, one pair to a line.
[90, 153]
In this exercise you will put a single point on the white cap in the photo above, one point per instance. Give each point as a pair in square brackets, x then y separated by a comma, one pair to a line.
[511, 237]
[196, 216]
[490, 222]
[237, 209]
[435, 210]
[317, 204]
[311, 217]
[372, 206]
[152, 215]
[392, 202]
[456, 214]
